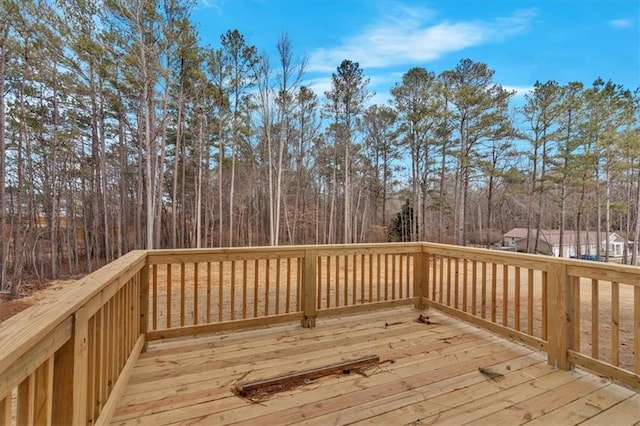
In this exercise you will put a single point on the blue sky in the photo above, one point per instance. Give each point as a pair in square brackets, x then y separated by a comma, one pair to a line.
[523, 41]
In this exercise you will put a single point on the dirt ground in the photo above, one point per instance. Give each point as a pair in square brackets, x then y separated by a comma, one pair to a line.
[30, 293]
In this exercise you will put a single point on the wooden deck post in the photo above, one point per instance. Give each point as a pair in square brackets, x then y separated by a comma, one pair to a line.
[69, 404]
[309, 289]
[144, 303]
[419, 277]
[559, 316]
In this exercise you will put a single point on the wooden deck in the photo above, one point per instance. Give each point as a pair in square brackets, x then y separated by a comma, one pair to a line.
[428, 374]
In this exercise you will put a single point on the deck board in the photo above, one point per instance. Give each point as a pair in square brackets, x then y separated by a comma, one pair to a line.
[433, 378]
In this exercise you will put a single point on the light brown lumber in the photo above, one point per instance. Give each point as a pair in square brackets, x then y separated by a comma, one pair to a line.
[297, 355]
[258, 336]
[417, 352]
[25, 330]
[196, 361]
[541, 404]
[31, 360]
[467, 404]
[604, 368]
[267, 353]
[350, 396]
[626, 412]
[496, 328]
[229, 409]
[222, 326]
[585, 407]
[522, 369]
[121, 383]
[309, 374]
[196, 410]
[287, 338]
[412, 344]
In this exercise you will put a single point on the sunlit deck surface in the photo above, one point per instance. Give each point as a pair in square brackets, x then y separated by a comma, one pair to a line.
[428, 374]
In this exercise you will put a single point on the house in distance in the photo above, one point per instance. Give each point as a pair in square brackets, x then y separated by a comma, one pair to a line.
[549, 243]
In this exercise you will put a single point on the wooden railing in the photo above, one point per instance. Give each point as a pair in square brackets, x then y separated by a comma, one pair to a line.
[571, 309]
[66, 360]
[206, 290]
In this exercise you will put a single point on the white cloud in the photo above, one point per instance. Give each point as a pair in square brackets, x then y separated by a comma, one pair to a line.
[621, 23]
[405, 38]
[319, 85]
[520, 90]
[211, 4]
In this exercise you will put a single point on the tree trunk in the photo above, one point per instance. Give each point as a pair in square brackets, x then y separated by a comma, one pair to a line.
[4, 232]
[636, 237]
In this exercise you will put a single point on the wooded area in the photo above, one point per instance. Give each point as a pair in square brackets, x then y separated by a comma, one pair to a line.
[119, 130]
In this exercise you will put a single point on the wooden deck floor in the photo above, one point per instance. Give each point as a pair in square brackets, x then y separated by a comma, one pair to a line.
[433, 378]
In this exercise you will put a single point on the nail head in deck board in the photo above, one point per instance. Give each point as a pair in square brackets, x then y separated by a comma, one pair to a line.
[311, 373]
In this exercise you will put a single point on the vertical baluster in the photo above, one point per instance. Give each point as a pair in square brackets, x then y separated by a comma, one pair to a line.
[220, 290]
[43, 392]
[409, 275]
[465, 284]
[354, 286]
[346, 280]
[401, 276]
[182, 293]
[615, 323]
[208, 292]
[337, 280]
[441, 282]
[232, 303]
[26, 401]
[168, 269]
[456, 288]
[267, 279]
[155, 297]
[505, 295]
[90, 388]
[575, 320]
[5, 411]
[195, 293]
[256, 273]
[379, 268]
[370, 278]
[277, 286]
[319, 283]
[474, 290]
[244, 289]
[636, 328]
[544, 305]
[299, 269]
[530, 302]
[595, 320]
[362, 279]
[328, 281]
[494, 284]
[288, 300]
[483, 290]
[516, 302]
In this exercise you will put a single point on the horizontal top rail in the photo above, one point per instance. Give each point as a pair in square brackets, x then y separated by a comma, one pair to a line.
[604, 271]
[23, 331]
[575, 267]
[273, 252]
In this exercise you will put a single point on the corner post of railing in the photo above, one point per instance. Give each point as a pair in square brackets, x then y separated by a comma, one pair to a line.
[144, 300]
[559, 316]
[309, 289]
[419, 276]
[70, 379]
